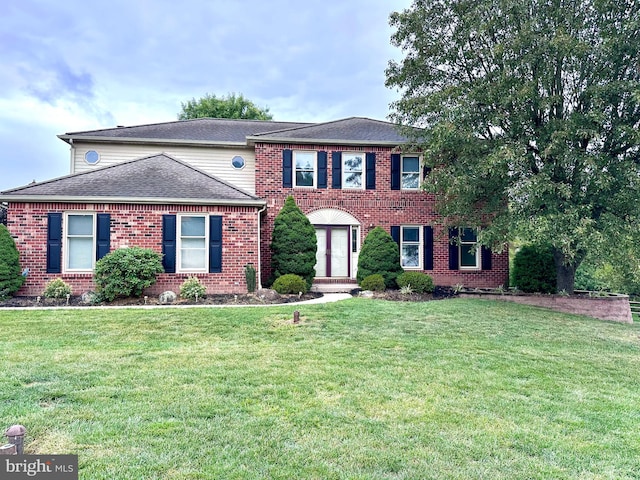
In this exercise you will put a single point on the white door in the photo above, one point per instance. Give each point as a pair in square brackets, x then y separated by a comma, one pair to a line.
[332, 256]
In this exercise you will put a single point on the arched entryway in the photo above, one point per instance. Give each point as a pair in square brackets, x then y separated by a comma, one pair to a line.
[338, 235]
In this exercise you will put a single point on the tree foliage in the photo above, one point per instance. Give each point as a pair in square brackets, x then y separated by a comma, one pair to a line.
[534, 104]
[293, 243]
[11, 278]
[230, 106]
[379, 254]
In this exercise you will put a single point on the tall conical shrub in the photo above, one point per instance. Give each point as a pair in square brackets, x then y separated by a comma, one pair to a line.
[293, 243]
[379, 254]
[11, 278]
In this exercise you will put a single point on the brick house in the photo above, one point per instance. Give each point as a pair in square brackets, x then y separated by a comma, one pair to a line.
[205, 194]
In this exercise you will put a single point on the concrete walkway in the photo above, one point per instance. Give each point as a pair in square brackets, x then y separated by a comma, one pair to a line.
[326, 298]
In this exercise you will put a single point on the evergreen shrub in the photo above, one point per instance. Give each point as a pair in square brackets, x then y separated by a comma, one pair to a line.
[293, 243]
[379, 254]
[11, 278]
[290, 283]
[126, 272]
[534, 270]
[420, 282]
[373, 282]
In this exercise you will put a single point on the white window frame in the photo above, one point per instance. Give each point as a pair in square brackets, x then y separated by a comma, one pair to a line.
[179, 237]
[66, 249]
[345, 173]
[419, 243]
[314, 166]
[467, 245]
[403, 172]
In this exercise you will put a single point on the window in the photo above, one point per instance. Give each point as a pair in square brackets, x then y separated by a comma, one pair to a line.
[352, 164]
[192, 247]
[469, 250]
[410, 173]
[305, 165]
[238, 162]
[410, 242]
[91, 157]
[79, 242]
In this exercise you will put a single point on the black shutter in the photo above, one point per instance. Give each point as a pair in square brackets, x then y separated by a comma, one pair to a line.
[54, 243]
[425, 172]
[287, 168]
[169, 243]
[103, 235]
[395, 234]
[215, 244]
[336, 169]
[453, 249]
[322, 169]
[427, 233]
[371, 170]
[485, 253]
[395, 171]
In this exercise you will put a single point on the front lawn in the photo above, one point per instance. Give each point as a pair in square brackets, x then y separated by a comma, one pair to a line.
[454, 389]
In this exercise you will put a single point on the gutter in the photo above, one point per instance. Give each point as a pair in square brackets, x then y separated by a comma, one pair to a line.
[129, 200]
[259, 270]
[157, 141]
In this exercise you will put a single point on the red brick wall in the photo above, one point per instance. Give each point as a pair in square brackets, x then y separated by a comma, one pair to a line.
[381, 207]
[136, 225]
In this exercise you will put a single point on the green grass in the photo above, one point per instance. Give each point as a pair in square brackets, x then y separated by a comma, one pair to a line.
[361, 389]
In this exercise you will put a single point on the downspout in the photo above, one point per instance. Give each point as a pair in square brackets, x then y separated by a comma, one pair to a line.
[73, 149]
[259, 270]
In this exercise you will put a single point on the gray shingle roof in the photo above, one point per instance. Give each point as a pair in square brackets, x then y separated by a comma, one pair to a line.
[207, 130]
[154, 179]
[354, 130]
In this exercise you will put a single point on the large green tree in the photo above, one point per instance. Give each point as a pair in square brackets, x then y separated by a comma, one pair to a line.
[230, 106]
[293, 243]
[530, 111]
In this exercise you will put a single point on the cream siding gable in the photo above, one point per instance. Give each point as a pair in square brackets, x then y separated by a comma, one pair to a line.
[215, 161]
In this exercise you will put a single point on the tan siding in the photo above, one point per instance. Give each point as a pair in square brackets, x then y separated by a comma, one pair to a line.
[212, 160]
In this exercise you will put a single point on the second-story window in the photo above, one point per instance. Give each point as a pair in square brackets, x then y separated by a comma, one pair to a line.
[306, 171]
[410, 172]
[352, 166]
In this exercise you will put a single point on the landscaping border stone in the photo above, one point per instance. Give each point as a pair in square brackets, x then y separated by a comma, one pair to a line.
[608, 306]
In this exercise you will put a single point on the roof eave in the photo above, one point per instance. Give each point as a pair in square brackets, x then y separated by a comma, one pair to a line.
[130, 200]
[252, 140]
[156, 141]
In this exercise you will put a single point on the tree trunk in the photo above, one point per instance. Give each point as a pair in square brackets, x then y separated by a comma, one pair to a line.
[565, 272]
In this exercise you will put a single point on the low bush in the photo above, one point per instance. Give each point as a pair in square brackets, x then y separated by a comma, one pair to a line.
[126, 272]
[374, 282]
[250, 277]
[11, 278]
[420, 282]
[56, 288]
[379, 254]
[534, 270]
[192, 289]
[290, 283]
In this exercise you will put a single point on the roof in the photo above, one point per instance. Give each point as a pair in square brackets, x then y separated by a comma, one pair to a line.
[224, 131]
[199, 130]
[159, 179]
[353, 130]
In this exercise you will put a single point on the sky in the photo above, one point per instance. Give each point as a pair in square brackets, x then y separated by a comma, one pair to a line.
[75, 65]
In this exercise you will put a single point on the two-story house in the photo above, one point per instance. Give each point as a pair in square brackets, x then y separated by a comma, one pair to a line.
[205, 194]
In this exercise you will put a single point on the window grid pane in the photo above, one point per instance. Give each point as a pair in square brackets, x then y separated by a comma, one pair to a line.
[305, 169]
[193, 243]
[352, 170]
[410, 247]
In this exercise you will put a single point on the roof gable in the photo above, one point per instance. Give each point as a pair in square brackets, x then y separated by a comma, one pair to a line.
[154, 179]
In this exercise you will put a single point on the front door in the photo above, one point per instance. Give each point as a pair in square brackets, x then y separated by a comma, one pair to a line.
[332, 256]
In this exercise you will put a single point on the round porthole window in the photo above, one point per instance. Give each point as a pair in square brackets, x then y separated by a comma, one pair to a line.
[237, 162]
[92, 157]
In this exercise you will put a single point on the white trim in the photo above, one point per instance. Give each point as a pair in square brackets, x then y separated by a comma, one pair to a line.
[332, 216]
[314, 167]
[420, 179]
[420, 244]
[344, 173]
[205, 268]
[65, 248]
